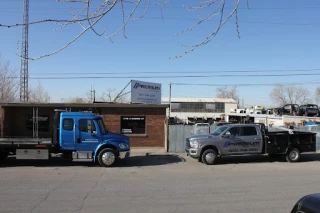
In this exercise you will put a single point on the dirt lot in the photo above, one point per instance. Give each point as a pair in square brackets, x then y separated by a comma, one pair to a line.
[158, 183]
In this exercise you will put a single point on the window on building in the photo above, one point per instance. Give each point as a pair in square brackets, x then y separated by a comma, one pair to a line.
[198, 107]
[220, 107]
[192, 107]
[210, 107]
[87, 125]
[175, 107]
[133, 124]
[68, 124]
[43, 123]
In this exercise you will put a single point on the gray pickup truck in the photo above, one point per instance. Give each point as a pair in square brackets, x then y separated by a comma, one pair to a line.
[249, 139]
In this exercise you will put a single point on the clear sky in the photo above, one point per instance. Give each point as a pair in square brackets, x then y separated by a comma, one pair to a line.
[275, 35]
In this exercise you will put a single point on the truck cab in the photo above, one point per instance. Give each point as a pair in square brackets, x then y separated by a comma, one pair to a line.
[86, 137]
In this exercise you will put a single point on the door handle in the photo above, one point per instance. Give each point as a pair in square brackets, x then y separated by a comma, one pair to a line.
[78, 140]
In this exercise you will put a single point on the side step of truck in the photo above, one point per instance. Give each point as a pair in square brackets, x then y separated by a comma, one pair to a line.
[82, 156]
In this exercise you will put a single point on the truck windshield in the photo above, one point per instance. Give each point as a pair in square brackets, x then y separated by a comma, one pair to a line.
[219, 130]
[102, 126]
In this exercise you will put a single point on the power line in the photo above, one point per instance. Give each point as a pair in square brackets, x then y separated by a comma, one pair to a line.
[175, 72]
[257, 84]
[185, 19]
[172, 76]
[181, 7]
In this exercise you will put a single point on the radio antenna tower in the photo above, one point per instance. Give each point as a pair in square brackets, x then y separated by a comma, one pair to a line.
[24, 54]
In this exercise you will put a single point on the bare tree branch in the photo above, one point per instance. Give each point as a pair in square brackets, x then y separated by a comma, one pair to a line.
[110, 96]
[9, 85]
[212, 35]
[73, 40]
[224, 92]
[38, 94]
[317, 95]
[289, 95]
[90, 19]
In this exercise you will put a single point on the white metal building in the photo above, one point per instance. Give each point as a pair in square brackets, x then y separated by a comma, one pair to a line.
[191, 110]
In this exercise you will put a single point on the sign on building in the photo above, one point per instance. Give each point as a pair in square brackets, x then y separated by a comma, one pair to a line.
[145, 92]
[133, 124]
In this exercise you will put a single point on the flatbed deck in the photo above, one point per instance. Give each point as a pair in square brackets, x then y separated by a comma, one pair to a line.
[25, 141]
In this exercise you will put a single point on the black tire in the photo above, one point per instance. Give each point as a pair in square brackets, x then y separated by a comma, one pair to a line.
[293, 155]
[209, 153]
[107, 157]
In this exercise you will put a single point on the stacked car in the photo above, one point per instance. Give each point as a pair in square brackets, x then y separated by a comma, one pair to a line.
[296, 110]
[286, 109]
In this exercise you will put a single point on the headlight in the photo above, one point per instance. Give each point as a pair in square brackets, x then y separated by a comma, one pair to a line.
[195, 144]
[123, 146]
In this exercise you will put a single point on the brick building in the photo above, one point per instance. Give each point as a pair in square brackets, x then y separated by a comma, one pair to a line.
[143, 123]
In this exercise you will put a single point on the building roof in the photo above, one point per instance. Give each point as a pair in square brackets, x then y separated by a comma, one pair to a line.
[177, 99]
[84, 105]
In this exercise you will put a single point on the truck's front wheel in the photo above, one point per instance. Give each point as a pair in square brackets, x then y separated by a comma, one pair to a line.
[107, 157]
[209, 157]
[293, 155]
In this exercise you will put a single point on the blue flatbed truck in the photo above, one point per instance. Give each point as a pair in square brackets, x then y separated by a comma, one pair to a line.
[81, 136]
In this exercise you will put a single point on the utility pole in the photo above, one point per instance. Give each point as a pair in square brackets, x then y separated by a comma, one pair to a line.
[24, 54]
[169, 99]
[91, 95]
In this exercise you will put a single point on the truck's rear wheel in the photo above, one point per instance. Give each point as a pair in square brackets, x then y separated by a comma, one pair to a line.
[293, 155]
[209, 157]
[107, 157]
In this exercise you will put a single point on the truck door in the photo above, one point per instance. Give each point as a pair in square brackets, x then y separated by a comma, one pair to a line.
[67, 134]
[251, 140]
[230, 140]
[88, 135]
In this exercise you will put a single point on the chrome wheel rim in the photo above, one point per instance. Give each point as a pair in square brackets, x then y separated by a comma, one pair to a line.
[108, 158]
[210, 157]
[293, 155]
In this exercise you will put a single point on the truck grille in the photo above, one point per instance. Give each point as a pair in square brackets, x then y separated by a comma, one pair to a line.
[187, 144]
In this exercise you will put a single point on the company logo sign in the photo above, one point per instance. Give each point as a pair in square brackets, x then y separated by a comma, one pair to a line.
[144, 86]
[241, 144]
[145, 92]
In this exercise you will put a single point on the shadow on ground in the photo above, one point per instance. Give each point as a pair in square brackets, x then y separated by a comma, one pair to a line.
[134, 161]
[265, 159]
[152, 160]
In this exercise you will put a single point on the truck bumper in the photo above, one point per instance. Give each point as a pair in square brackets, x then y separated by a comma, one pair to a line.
[193, 152]
[124, 154]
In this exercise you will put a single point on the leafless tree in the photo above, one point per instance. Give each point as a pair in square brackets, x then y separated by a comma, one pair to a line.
[225, 92]
[38, 94]
[289, 95]
[77, 100]
[94, 12]
[110, 95]
[317, 95]
[9, 84]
